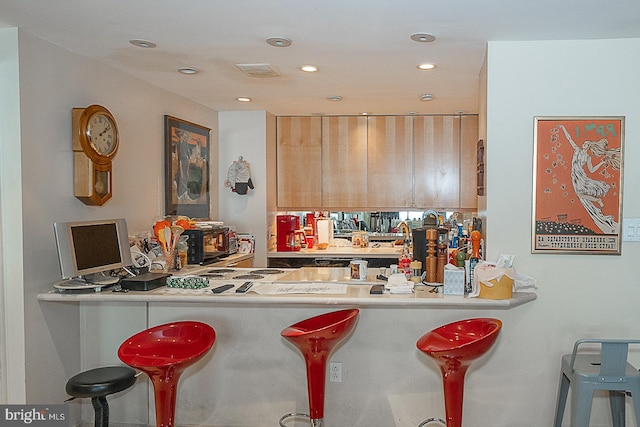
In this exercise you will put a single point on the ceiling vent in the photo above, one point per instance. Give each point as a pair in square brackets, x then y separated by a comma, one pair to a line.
[258, 70]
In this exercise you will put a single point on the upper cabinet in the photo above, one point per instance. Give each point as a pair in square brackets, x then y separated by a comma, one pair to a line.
[390, 161]
[437, 160]
[299, 167]
[377, 162]
[469, 162]
[344, 162]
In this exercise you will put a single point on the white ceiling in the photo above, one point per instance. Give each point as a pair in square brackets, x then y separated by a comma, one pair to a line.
[363, 48]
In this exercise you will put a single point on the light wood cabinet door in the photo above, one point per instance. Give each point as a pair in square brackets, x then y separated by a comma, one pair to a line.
[344, 162]
[390, 162]
[437, 161]
[299, 166]
[469, 162]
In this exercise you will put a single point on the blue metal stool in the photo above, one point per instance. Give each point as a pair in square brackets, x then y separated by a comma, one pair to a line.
[607, 369]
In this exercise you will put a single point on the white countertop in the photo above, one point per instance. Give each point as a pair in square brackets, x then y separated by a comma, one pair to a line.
[357, 295]
[384, 251]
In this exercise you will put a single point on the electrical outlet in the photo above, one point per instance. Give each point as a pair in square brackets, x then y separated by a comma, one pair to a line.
[335, 372]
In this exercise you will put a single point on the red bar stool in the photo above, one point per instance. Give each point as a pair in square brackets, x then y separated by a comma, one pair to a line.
[163, 353]
[454, 346]
[316, 338]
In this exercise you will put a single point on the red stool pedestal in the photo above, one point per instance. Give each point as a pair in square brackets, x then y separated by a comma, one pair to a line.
[316, 338]
[163, 353]
[454, 346]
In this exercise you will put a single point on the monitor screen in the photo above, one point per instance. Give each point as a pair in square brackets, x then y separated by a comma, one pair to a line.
[88, 247]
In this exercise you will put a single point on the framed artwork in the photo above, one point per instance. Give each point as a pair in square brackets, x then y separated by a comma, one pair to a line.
[577, 195]
[186, 178]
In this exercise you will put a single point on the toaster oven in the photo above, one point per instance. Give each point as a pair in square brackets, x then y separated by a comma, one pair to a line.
[205, 246]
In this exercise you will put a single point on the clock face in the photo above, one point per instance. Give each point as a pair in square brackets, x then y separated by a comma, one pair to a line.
[102, 134]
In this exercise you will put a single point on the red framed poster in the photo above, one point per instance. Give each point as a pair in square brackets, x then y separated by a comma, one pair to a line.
[577, 194]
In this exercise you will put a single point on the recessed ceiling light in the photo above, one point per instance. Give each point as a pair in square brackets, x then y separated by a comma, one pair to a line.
[243, 99]
[426, 97]
[422, 37]
[279, 41]
[426, 66]
[364, 113]
[334, 98]
[412, 113]
[188, 70]
[142, 43]
[309, 68]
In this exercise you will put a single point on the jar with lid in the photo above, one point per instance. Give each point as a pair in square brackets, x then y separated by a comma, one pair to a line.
[182, 249]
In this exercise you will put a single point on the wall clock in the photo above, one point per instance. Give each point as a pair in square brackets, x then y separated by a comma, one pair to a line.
[95, 143]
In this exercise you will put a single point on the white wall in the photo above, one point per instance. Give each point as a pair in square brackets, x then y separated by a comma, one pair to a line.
[579, 296]
[52, 82]
[11, 296]
[245, 133]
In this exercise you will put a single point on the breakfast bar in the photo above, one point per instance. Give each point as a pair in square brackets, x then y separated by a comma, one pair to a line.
[252, 375]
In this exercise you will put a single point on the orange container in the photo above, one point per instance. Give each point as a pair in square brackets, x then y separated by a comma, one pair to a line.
[501, 289]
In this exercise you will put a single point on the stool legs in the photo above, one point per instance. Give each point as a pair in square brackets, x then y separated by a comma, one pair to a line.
[563, 390]
[165, 384]
[101, 410]
[616, 400]
[453, 373]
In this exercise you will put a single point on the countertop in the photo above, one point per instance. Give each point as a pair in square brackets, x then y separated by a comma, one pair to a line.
[385, 250]
[231, 260]
[357, 294]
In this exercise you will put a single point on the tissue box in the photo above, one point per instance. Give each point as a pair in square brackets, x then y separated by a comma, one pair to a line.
[454, 281]
[500, 289]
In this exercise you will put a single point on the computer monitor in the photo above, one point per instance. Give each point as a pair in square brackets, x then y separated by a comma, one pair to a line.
[89, 247]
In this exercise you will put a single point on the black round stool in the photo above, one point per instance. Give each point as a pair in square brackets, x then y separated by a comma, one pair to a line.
[97, 384]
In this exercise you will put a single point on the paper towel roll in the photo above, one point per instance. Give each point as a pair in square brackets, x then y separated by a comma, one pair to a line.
[325, 230]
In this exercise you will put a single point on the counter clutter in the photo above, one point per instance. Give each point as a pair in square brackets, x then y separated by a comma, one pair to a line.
[308, 285]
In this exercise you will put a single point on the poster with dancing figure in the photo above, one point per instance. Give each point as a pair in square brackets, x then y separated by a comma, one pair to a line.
[577, 206]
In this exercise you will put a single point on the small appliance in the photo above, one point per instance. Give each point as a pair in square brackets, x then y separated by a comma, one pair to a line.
[206, 245]
[287, 225]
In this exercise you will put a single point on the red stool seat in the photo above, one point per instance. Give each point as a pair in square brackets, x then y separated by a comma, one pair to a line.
[454, 346]
[316, 338]
[163, 353]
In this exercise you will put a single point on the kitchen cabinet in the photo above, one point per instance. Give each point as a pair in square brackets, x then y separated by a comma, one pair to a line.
[390, 161]
[445, 161]
[377, 162]
[469, 162]
[299, 166]
[344, 162]
[437, 161]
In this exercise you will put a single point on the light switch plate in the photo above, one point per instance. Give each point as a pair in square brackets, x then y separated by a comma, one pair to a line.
[631, 229]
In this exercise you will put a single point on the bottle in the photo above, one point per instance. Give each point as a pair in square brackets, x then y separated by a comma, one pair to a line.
[404, 263]
[475, 255]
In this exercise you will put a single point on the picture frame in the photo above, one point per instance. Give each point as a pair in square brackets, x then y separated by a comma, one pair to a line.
[578, 185]
[187, 163]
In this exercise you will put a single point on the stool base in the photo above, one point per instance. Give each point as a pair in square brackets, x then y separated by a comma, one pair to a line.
[315, 422]
[431, 420]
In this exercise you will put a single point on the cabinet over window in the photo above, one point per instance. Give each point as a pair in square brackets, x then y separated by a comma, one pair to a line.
[377, 162]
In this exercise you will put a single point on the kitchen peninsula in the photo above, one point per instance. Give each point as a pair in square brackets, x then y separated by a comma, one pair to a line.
[252, 376]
